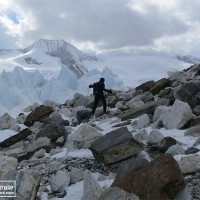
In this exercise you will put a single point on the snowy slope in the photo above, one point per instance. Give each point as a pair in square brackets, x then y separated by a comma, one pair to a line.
[55, 70]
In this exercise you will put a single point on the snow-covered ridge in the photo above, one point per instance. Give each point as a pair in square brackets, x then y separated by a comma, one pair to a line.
[189, 59]
[69, 55]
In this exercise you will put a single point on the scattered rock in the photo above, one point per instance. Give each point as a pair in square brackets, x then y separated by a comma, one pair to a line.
[143, 121]
[194, 131]
[154, 137]
[83, 115]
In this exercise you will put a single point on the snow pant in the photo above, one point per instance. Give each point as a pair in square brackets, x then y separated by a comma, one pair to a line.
[96, 101]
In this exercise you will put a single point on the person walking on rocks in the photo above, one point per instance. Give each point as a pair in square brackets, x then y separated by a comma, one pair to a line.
[98, 92]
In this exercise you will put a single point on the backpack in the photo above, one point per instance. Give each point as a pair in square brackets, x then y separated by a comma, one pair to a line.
[95, 89]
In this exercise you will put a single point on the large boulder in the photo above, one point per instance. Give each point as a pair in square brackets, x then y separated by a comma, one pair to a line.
[148, 108]
[115, 146]
[16, 138]
[165, 143]
[174, 117]
[7, 122]
[51, 131]
[160, 179]
[115, 193]
[38, 114]
[83, 137]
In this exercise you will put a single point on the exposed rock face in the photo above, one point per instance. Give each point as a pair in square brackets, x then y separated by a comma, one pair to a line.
[16, 138]
[91, 187]
[39, 113]
[83, 137]
[7, 122]
[115, 193]
[115, 146]
[160, 179]
[148, 108]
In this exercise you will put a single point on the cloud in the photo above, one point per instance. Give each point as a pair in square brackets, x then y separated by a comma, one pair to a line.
[104, 24]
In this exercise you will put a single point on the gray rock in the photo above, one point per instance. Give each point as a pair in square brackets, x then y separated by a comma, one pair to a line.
[154, 137]
[148, 108]
[115, 146]
[7, 122]
[27, 184]
[175, 116]
[76, 175]
[145, 86]
[91, 188]
[59, 181]
[143, 121]
[191, 150]
[83, 115]
[175, 150]
[51, 131]
[190, 164]
[197, 142]
[193, 131]
[141, 135]
[83, 137]
[8, 164]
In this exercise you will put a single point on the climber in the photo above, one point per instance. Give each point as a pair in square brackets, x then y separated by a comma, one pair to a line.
[98, 89]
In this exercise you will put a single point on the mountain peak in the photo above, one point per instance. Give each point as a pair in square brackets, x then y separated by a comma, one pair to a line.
[69, 55]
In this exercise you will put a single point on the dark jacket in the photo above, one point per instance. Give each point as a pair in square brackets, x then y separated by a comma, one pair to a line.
[99, 88]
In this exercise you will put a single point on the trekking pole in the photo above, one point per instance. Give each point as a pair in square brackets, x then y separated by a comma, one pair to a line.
[86, 97]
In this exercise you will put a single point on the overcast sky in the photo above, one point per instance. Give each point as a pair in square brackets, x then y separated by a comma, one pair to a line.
[157, 25]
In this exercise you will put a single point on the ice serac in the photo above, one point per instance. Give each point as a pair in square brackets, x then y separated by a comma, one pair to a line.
[68, 54]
